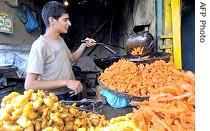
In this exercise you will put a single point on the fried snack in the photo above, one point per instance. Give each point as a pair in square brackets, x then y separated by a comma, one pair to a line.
[35, 111]
[173, 110]
[121, 123]
[145, 80]
[137, 51]
[171, 106]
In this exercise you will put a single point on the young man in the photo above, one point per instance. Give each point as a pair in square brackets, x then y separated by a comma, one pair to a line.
[50, 60]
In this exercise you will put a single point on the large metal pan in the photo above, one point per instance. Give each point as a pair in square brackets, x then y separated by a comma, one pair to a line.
[103, 63]
[123, 94]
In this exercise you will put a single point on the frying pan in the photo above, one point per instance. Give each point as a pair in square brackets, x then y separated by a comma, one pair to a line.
[103, 63]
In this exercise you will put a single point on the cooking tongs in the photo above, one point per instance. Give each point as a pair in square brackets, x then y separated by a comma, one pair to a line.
[106, 47]
[72, 93]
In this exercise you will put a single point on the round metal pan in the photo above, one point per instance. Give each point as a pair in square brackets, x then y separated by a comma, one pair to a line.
[122, 94]
[103, 63]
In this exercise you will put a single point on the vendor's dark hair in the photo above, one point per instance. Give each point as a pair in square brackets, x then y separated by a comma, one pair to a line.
[52, 9]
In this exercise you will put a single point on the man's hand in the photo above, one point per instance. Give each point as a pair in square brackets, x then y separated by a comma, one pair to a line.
[85, 43]
[74, 85]
[88, 42]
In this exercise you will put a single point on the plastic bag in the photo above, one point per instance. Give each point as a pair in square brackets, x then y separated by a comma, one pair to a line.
[21, 14]
[114, 100]
[31, 24]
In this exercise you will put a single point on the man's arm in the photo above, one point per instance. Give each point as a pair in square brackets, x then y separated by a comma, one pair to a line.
[75, 55]
[88, 43]
[32, 82]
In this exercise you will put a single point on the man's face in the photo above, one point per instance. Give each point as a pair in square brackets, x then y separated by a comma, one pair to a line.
[62, 24]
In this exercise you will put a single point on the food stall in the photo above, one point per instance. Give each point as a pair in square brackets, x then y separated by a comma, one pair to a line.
[170, 105]
[133, 80]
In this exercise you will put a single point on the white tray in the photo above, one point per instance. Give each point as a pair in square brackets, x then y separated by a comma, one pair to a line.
[5, 65]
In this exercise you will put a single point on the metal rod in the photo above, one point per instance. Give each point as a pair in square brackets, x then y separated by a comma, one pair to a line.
[105, 44]
[110, 50]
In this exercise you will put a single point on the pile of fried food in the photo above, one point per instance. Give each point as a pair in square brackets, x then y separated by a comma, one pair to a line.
[171, 106]
[122, 123]
[171, 110]
[137, 51]
[38, 112]
[140, 80]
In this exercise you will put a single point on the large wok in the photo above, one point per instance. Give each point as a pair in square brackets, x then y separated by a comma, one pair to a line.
[103, 63]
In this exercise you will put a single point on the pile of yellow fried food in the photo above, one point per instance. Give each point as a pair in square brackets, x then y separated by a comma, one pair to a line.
[122, 123]
[170, 108]
[35, 111]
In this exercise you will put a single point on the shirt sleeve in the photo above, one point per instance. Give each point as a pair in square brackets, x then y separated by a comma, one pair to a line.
[36, 60]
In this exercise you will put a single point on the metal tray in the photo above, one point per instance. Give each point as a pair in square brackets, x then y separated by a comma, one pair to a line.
[122, 94]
